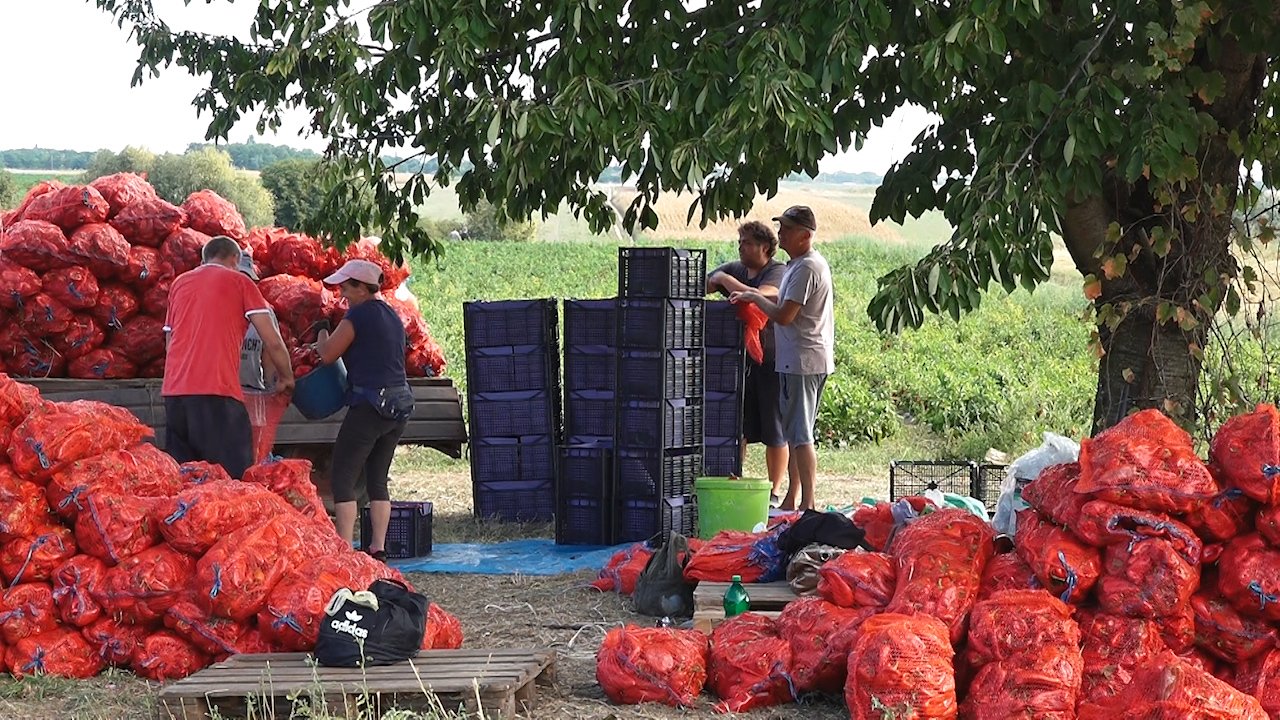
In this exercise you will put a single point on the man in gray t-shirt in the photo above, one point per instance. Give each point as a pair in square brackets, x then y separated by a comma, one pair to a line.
[252, 376]
[804, 334]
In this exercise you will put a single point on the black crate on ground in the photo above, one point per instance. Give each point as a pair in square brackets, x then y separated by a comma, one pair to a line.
[408, 532]
[591, 322]
[646, 473]
[584, 520]
[585, 470]
[514, 500]
[725, 370]
[528, 458]
[659, 423]
[660, 374]
[661, 273]
[724, 329]
[913, 477]
[511, 414]
[509, 322]
[990, 475]
[722, 414]
[722, 456]
[588, 412]
[660, 324]
[509, 368]
[638, 519]
[590, 367]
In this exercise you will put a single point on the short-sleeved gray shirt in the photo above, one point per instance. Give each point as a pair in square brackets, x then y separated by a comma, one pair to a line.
[251, 358]
[807, 345]
[770, 274]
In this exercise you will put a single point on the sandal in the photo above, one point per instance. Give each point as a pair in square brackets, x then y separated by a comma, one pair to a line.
[774, 500]
[379, 555]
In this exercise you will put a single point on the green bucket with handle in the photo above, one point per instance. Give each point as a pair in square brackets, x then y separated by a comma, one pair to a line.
[729, 503]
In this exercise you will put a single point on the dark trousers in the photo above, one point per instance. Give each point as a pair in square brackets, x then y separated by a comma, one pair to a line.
[366, 441]
[212, 428]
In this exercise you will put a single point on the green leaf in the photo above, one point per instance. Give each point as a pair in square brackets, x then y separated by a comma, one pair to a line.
[934, 273]
[1069, 149]
[495, 127]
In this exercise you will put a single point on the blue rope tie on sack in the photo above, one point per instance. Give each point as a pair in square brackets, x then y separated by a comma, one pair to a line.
[1072, 579]
[73, 497]
[1264, 597]
[38, 543]
[1270, 471]
[38, 449]
[286, 620]
[37, 662]
[1228, 494]
[217, 581]
[181, 512]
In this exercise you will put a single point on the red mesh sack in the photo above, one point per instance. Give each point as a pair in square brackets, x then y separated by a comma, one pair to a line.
[182, 248]
[1249, 577]
[142, 470]
[392, 275]
[1006, 571]
[302, 255]
[819, 648]
[155, 301]
[145, 267]
[1178, 630]
[116, 642]
[121, 189]
[17, 283]
[34, 559]
[69, 207]
[35, 244]
[1147, 462]
[113, 526]
[1053, 493]
[115, 306]
[211, 214]
[23, 512]
[1113, 648]
[164, 655]
[153, 369]
[72, 286]
[1268, 524]
[40, 188]
[59, 652]
[940, 558]
[444, 630]
[102, 365]
[83, 337]
[1260, 677]
[141, 340]
[199, 472]
[637, 664]
[101, 248]
[858, 579]
[755, 557]
[1009, 623]
[622, 570]
[202, 514]
[298, 301]
[143, 586]
[901, 666]
[291, 480]
[1229, 514]
[215, 636]
[1040, 683]
[148, 221]
[73, 584]
[17, 400]
[1062, 564]
[43, 317]
[1246, 451]
[424, 359]
[54, 436]
[750, 664]
[294, 609]
[37, 359]
[1104, 523]
[1146, 579]
[415, 327]
[26, 610]
[877, 520]
[1170, 688]
[260, 241]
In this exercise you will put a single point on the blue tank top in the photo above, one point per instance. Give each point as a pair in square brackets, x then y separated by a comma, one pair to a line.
[375, 358]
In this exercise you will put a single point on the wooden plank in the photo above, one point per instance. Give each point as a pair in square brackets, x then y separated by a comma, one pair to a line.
[764, 596]
[423, 655]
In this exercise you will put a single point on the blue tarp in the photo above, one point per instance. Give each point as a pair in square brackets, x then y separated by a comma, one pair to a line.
[526, 557]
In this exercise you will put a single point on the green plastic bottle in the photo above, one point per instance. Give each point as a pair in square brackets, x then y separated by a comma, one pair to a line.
[736, 600]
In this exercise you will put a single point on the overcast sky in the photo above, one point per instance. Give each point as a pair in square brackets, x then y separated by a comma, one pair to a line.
[67, 69]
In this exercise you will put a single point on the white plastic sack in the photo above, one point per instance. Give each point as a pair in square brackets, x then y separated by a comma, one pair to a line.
[1055, 450]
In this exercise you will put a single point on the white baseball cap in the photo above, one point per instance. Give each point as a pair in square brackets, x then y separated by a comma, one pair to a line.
[362, 270]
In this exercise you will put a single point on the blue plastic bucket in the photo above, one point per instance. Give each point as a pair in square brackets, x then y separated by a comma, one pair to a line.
[321, 392]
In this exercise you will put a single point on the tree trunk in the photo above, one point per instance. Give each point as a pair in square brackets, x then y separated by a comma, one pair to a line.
[1146, 365]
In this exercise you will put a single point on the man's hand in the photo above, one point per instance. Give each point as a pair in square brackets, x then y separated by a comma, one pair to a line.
[285, 385]
[751, 296]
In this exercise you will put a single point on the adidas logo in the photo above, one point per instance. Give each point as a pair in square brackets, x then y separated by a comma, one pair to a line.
[354, 616]
[348, 628]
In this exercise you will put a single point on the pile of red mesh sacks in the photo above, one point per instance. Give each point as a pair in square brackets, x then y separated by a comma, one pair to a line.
[85, 273]
[114, 555]
[1143, 583]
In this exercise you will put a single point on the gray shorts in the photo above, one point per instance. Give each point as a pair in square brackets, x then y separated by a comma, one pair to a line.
[799, 396]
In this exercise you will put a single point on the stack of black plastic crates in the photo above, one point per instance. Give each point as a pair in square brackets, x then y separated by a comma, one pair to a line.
[584, 494]
[726, 355]
[659, 398]
[513, 394]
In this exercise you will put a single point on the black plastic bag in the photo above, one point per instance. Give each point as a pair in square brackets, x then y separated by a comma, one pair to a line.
[661, 590]
[353, 634]
[824, 528]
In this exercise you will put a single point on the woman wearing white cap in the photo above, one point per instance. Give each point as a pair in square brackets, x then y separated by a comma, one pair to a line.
[371, 342]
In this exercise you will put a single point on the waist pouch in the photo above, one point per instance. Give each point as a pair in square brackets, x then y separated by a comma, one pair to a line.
[392, 403]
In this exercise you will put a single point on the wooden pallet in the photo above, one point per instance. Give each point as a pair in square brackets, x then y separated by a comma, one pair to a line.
[708, 601]
[498, 683]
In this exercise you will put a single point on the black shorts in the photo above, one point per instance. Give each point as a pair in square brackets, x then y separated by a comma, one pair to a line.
[212, 428]
[761, 413]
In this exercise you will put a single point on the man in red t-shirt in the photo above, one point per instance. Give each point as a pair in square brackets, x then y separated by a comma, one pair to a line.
[210, 309]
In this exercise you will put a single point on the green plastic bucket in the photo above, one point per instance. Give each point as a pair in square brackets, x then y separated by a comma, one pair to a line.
[730, 504]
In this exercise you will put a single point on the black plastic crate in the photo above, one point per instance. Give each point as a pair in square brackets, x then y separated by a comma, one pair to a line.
[509, 368]
[645, 473]
[512, 414]
[639, 519]
[659, 423]
[990, 475]
[589, 412]
[585, 470]
[590, 367]
[661, 273]
[722, 414]
[660, 374]
[584, 520]
[408, 532]
[591, 322]
[724, 329]
[660, 324]
[726, 370]
[913, 477]
[529, 458]
[722, 456]
[514, 500]
[510, 322]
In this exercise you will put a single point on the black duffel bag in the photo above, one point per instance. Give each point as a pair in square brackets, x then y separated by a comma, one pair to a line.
[355, 634]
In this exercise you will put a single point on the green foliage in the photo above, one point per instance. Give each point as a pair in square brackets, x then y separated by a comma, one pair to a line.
[486, 222]
[44, 159]
[130, 159]
[295, 186]
[177, 176]
[10, 194]
[253, 155]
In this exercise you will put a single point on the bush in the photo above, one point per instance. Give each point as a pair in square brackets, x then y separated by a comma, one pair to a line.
[10, 194]
[130, 159]
[296, 188]
[485, 223]
[177, 176]
[439, 229]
